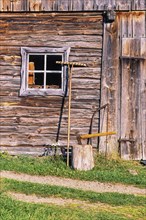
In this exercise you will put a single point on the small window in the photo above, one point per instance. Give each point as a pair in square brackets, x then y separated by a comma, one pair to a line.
[40, 75]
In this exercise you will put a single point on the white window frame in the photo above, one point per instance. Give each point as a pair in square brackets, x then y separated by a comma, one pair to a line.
[25, 52]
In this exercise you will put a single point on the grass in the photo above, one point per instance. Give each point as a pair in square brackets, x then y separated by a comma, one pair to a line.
[16, 210]
[12, 209]
[105, 170]
[112, 206]
[44, 190]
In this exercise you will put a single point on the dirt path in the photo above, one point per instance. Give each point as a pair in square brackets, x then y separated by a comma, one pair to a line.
[78, 204]
[77, 184]
[56, 201]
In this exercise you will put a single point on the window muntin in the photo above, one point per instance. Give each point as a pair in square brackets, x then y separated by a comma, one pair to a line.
[40, 75]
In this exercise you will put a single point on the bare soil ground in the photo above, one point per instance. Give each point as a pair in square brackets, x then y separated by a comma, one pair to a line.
[56, 201]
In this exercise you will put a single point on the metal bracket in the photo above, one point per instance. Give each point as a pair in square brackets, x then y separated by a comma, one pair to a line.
[109, 13]
[127, 140]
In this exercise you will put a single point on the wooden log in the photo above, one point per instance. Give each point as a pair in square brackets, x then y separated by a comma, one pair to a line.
[82, 157]
[31, 74]
[23, 150]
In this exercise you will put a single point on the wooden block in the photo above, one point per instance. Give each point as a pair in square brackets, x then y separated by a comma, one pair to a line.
[82, 157]
[31, 74]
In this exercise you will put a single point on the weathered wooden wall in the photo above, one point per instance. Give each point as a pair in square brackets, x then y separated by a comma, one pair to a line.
[28, 121]
[71, 5]
[133, 85]
[33, 121]
[124, 85]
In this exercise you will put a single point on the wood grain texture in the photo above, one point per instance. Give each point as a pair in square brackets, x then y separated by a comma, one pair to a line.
[24, 150]
[123, 86]
[109, 88]
[133, 76]
[82, 157]
[121, 54]
[33, 121]
[134, 47]
[71, 5]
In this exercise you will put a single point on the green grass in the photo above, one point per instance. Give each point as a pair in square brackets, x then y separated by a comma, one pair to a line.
[106, 170]
[16, 210]
[113, 206]
[44, 190]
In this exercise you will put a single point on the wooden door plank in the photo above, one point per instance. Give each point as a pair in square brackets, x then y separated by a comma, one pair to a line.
[77, 5]
[143, 47]
[123, 5]
[63, 5]
[143, 108]
[135, 47]
[124, 25]
[139, 24]
[131, 110]
[6, 5]
[47, 5]
[130, 26]
[109, 88]
[139, 5]
[125, 99]
[126, 47]
[88, 5]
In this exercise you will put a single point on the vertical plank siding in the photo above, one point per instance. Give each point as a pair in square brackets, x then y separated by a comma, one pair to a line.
[132, 84]
[109, 88]
[71, 5]
[126, 52]
[33, 121]
[142, 99]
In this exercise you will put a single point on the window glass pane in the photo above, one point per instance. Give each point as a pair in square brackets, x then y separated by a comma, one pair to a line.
[39, 79]
[53, 80]
[38, 61]
[36, 80]
[51, 62]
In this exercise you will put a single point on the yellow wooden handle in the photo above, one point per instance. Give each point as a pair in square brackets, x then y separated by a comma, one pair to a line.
[86, 136]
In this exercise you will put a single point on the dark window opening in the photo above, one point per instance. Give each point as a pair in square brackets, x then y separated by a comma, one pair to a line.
[39, 79]
[38, 61]
[51, 62]
[36, 80]
[53, 80]
[43, 67]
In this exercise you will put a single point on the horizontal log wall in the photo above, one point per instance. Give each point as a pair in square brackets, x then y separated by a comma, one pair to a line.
[33, 121]
[71, 5]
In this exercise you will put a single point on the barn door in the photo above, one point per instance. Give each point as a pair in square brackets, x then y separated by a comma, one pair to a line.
[133, 99]
[123, 86]
[143, 106]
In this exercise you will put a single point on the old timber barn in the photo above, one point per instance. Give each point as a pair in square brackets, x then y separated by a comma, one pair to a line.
[109, 94]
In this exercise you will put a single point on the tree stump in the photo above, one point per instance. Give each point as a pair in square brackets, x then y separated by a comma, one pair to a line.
[82, 157]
